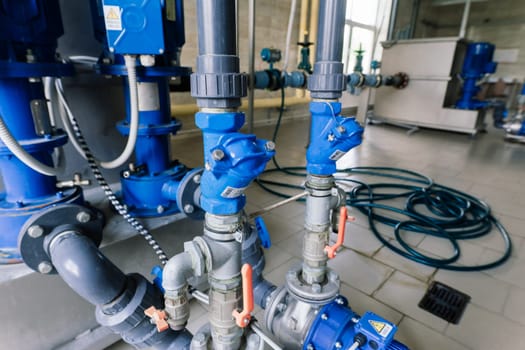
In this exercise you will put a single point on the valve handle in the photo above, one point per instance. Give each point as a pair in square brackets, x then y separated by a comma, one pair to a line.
[243, 318]
[158, 317]
[331, 251]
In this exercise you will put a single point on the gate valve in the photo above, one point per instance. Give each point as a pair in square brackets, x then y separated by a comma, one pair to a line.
[331, 251]
[158, 317]
[243, 318]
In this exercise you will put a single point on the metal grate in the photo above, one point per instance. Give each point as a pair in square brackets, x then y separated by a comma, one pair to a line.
[445, 302]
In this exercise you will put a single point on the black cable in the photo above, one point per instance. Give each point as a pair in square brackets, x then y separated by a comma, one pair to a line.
[119, 207]
[429, 208]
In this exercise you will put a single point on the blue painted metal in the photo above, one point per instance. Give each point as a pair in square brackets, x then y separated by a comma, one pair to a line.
[270, 56]
[478, 62]
[156, 272]
[142, 190]
[305, 64]
[150, 190]
[29, 30]
[274, 79]
[263, 233]
[338, 327]
[26, 191]
[232, 160]
[134, 26]
[522, 130]
[332, 135]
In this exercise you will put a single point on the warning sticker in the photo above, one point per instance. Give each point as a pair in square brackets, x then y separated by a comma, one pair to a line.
[337, 154]
[232, 192]
[381, 328]
[112, 18]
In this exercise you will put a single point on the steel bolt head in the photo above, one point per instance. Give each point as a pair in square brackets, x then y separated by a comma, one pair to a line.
[45, 267]
[197, 179]
[341, 129]
[331, 137]
[188, 208]
[270, 146]
[217, 154]
[310, 347]
[338, 345]
[160, 209]
[324, 317]
[339, 301]
[35, 231]
[126, 174]
[83, 217]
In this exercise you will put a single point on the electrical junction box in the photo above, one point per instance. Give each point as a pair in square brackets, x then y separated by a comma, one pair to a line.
[134, 26]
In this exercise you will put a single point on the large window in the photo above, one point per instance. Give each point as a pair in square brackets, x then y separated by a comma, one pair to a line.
[366, 26]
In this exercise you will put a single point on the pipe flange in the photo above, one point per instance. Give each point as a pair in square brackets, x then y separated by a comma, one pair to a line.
[320, 183]
[36, 234]
[404, 80]
[277, 305]
[188, 194]
[316, 293]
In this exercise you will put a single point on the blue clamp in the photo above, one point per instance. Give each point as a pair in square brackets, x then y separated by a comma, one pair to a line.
[332, 136]
[263, 233]
[157, 281]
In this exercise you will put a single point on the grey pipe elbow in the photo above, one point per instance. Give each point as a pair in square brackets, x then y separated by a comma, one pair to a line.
[174, 281]
[85, 269]
[176, 272]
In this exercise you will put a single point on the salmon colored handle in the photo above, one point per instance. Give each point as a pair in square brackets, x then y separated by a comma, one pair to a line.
[243, 317]
[158, 317]
[331, 251]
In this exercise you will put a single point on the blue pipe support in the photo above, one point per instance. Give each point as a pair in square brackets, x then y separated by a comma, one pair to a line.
[144, 191]
[232, 161]
[338, 327]
[332, 136]
[477, 63]
[25, 190]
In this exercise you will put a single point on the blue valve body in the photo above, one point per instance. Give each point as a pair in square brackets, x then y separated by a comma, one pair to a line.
[332, 137]
[232, 160]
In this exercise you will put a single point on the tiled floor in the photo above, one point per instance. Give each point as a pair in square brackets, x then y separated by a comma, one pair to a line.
[390, 285]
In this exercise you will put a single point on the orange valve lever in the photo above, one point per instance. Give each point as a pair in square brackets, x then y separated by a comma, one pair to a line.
[158, 317]
[331, 251]
[243, 318]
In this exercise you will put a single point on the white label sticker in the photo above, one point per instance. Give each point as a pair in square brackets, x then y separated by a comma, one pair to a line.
[232, 192]
[337, 154]
[148, 97]
[112, 18]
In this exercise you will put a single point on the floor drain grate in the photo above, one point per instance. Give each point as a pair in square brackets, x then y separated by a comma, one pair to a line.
[445, 302]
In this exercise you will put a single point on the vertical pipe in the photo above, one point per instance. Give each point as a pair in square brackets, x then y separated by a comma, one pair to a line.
[303, 33]
[314, 26]
[464, 19]
[393, 18]
[413, 18]
[330, 36]
[251, 82]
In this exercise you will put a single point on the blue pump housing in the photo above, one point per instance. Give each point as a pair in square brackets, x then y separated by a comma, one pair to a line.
[477, 63]
[332, 137]
[338, 327]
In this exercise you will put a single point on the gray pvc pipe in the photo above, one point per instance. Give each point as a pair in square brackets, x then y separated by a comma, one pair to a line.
[330, 33]
[217, 30]
[85, 269]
